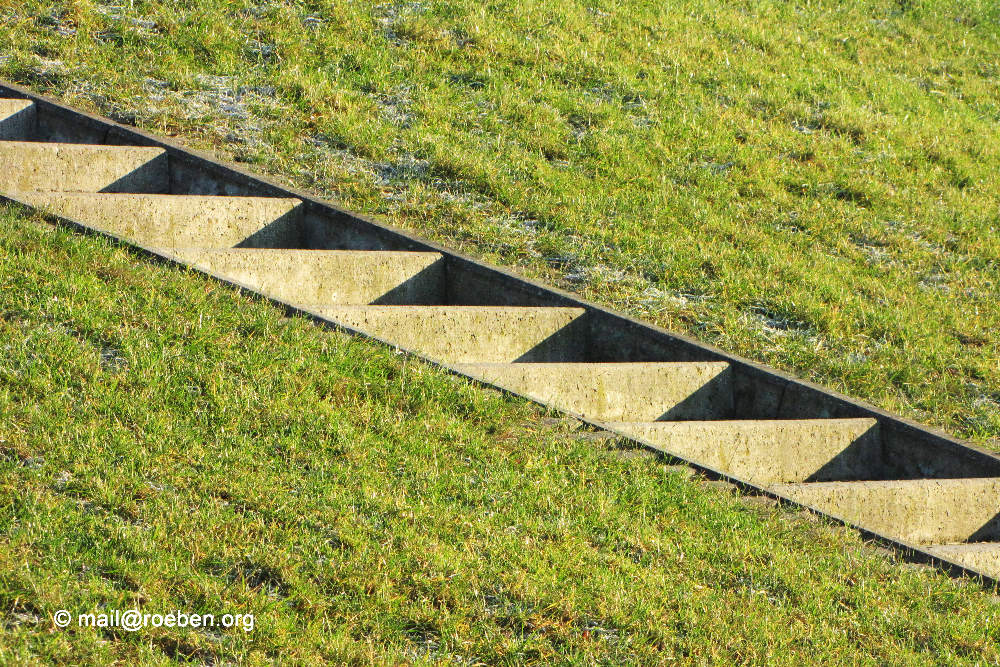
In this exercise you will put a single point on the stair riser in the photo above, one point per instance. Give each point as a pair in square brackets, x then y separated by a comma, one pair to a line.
[917, 512]
[615, 392]
[170, 222]
[339, 277]
[26, 167]
[455, 336]
[768, 452]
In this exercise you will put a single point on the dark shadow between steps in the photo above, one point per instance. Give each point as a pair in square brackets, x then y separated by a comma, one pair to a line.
[19, 126]
[151, 178]
[989, 532]
[569, 344]
[860, 461]
[284, 232]
[426, 288]
[713, 401]
[335, 230]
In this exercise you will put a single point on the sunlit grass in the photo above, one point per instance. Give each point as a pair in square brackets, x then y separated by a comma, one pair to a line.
[166, 443]
[811, 186]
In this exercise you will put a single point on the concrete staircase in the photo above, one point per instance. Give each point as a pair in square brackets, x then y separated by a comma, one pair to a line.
[936, 497]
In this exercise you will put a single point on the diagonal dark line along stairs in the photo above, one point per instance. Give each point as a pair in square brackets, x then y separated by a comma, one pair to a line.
[934, 497]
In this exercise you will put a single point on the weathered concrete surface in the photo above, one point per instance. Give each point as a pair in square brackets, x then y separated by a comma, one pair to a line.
[18, 119]
[981, 556]
[772, 451]
[920, 511]
[467, 334]
[175, 221]
[342, 277]
[620, 391]
[31, 166]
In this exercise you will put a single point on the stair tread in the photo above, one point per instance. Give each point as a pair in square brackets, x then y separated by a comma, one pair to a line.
[967, 548]
[741, 422]
[58, 146]
[589, 366]
[9, 105]
[304, 253]
[929, 484]
[457, 309]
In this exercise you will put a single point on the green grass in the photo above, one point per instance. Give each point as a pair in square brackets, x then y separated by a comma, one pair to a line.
[812, 185]
[166, 443]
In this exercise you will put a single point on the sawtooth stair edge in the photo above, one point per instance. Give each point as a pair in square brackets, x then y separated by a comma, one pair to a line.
[934, 498]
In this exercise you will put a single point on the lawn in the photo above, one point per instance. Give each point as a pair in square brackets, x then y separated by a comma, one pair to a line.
[814, 186]
[168, 444]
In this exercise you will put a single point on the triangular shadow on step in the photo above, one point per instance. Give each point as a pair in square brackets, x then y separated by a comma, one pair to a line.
[568, 344]
[712, 401]
[989, 532]
[151, 178]
[19, 126]
[425, 288]
[283, 232]
[859, 461]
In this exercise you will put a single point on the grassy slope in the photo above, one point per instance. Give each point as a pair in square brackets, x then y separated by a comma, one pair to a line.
[168, 443]
[812, 186]
[827, 205]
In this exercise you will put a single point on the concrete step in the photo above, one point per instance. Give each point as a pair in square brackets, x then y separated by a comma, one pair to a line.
[771, 451]
[919, 511]
[620, 391]
[468, 334]
[983, 557]
[177, 221]
[18, 119]
[33, 166]
[344, 277]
